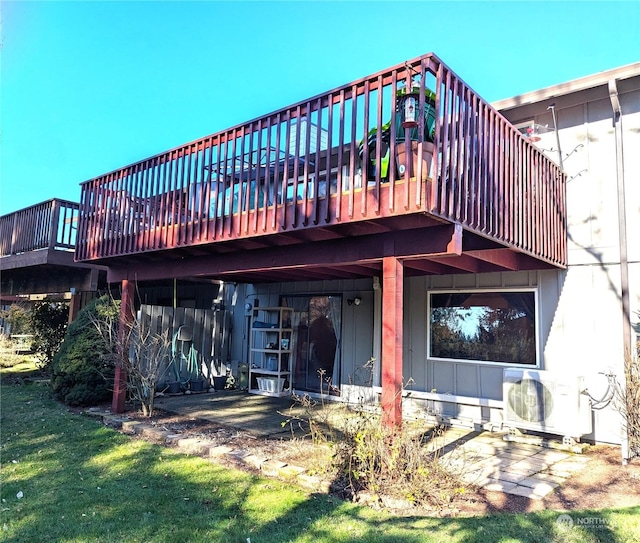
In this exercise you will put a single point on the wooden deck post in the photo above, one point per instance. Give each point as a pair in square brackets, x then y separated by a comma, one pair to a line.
[126, 316]
[392, 309]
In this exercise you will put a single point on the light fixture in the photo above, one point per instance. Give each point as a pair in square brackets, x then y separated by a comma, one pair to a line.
[408, 104]
[247, 306]
[355, 301]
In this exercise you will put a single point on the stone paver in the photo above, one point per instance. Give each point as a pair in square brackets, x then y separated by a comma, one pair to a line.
[271, 467]
[220, 450]
[524, 491]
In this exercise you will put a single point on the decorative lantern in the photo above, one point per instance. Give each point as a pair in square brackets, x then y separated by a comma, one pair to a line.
[410, 105]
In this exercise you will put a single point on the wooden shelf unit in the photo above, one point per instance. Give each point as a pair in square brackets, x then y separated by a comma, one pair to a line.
[270, 351]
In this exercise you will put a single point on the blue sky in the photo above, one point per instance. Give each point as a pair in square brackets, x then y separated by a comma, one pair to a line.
[87, 87]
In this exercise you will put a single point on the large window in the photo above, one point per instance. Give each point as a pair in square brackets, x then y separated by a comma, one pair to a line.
[496, 326]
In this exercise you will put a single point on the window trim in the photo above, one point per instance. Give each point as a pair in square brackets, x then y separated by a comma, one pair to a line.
[536, 301]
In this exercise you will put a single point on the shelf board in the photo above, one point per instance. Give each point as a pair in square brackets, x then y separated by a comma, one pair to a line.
[269, 372]
[267, 393]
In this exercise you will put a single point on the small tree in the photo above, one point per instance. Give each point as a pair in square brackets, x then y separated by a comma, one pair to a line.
[146, 355]
[17, 317]
[48, 322]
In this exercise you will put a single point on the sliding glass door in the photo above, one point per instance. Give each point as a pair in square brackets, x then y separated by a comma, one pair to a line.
[317, 327]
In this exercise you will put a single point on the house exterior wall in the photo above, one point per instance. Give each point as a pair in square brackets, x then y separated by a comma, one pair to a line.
[579, 310]
[586, 332]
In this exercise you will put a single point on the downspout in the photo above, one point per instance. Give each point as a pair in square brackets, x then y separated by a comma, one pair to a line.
[622, 233]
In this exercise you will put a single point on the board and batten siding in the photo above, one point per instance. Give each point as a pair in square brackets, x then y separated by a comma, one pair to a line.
[464, 378]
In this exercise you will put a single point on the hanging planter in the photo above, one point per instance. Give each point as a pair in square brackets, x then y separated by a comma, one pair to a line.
[407, 119]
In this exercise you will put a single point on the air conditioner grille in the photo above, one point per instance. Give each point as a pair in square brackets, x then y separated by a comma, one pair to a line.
[531, 400]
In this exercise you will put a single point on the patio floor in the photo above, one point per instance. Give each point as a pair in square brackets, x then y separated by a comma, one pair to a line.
[486, 458]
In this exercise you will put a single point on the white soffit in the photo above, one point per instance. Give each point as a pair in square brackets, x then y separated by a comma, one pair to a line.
[583, 83]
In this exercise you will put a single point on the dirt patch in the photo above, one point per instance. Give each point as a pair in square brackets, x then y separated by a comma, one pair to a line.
[605, 483]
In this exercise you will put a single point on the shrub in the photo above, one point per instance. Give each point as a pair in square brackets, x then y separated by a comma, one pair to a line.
[48, 322]
[370, 458]
[82, 370]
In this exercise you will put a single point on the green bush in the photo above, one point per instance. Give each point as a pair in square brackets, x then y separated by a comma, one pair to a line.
[48, 322]
[82, 370]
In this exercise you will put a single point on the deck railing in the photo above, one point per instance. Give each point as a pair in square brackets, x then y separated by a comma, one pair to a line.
[49, 225]
[333, 159]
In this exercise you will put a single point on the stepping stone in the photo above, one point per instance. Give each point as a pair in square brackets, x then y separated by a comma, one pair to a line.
[219, 450]
[523, 491]
[290, 472]
[271, 467]
[254, 460]
[538, 485]
[498, 486]
[131, 426]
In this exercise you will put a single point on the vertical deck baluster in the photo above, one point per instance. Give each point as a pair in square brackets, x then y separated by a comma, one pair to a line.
[244, 188]
[277, 203]
[141, 203]
[379, 114]
[152, 204]
[432, 194]
[407, 148]
[97, 224]
[230, 172]
[468, 153]
[119, 226]
[296, 172]
[352, 148]
[365, 149]
[267, 177]
[522, 155]
[305, 198]
[392, 141]
[422, 104]
[510, 150]
[445, 182]
[110, 216]
[190, 189]
[256, 203]
[131, 227]
[207, 185]
[498, 181]
[316, 165]
[340, 156]
[221, 191]
[163, 205]
[173, 208]
[239, 166]
[200, 192]
[327, 210]
[284, 222]
[453, 210]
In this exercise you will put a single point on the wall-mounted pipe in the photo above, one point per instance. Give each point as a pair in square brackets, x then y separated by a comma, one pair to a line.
[622, 232]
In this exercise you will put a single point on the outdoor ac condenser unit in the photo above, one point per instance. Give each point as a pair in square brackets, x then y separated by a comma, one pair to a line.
[543, 401]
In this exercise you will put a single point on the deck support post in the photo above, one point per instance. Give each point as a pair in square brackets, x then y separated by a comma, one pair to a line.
[126, 318]
[392, 310]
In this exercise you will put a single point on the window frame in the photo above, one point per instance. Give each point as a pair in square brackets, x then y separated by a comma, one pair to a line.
[537, 342]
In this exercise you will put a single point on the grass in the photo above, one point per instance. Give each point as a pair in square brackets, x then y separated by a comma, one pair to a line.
[82, 482]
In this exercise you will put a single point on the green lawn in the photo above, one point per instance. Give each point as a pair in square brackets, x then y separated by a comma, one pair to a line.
[81, 482]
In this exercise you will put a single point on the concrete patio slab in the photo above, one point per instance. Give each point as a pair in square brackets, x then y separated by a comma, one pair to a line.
[482, 458]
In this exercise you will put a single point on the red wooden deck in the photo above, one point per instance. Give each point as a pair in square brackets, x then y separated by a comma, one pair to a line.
[298, 193]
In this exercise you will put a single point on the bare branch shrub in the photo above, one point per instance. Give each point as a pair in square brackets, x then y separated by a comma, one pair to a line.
[144, 354]
[372, 459]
